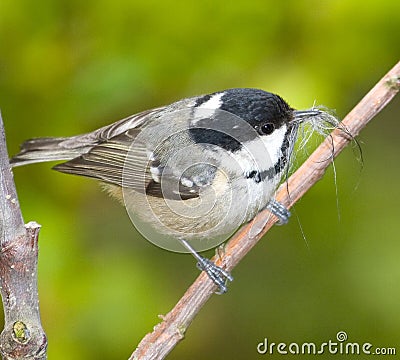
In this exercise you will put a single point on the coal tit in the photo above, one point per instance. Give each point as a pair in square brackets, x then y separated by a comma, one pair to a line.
[192, 171]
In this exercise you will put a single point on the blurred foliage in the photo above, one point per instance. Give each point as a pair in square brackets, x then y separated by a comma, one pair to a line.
[68, 67]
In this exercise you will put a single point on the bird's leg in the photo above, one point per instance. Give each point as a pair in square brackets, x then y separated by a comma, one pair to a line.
[279, 211]
[219, 276]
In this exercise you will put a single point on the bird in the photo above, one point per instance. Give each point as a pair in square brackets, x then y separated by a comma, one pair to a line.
[189, 173]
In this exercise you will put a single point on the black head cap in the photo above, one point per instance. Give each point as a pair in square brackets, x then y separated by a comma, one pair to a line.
[263, 111]
[254, 106]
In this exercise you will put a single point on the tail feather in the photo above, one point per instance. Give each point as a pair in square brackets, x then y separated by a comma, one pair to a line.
[68, 148]
[46, 149]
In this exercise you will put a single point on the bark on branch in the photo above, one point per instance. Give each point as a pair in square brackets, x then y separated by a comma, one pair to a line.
[165, 336]
[22, 336]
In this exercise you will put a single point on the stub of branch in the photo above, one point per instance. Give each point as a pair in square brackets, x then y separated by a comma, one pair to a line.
[23, 336]
[157, 344]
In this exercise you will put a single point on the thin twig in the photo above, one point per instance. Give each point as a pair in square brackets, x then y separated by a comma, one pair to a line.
[22, 336]
[165, 336]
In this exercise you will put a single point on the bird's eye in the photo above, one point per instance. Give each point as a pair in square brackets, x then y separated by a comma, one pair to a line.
[267, 128]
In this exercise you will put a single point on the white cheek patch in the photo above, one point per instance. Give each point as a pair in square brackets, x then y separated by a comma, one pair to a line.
[263, 152]
[213, 103]
[274, 142]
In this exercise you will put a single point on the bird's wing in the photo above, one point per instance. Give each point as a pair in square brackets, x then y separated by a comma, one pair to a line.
[124, 158]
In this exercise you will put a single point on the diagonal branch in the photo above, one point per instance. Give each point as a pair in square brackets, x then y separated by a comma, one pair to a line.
[165, 336]
[22, 336]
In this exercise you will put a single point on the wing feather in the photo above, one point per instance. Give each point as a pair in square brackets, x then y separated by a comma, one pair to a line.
[116, 162]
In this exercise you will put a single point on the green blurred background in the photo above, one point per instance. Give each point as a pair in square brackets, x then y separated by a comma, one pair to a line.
[68, 67]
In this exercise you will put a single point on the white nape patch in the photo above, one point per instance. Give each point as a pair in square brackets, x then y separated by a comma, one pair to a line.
[214, 102]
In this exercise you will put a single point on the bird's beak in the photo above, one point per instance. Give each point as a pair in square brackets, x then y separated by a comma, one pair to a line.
[301, 115]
